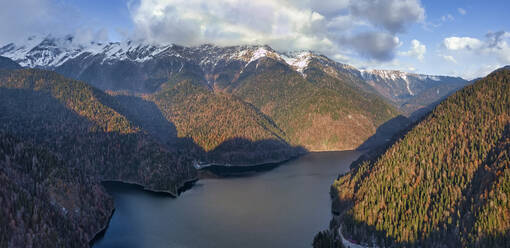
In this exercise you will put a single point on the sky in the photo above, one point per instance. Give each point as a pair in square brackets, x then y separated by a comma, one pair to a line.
[467, 38]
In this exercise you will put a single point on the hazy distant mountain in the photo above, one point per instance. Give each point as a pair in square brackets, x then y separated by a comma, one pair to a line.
[445, 183]
[409, 91]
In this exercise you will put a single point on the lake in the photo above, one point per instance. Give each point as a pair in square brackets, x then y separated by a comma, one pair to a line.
[283, 207]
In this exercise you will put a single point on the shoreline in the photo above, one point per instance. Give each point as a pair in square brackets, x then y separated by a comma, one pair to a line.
[100, 234]
[185, 185]
[182, 188]
[239, 170]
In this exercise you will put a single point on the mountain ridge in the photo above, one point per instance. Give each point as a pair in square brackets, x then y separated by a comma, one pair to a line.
[423, 191]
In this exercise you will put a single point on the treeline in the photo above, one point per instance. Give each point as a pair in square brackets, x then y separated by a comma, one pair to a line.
[445, 182]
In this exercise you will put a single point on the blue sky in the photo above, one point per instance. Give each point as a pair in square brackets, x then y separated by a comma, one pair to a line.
[456, 37]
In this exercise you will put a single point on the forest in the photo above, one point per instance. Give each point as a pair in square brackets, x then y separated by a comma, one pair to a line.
[445, 182]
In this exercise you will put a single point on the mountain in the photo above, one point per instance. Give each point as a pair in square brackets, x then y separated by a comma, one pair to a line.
[80, 123]
[291, 108]
[444, 183]
[314, 102]
[8, 64]
[411, 92]
[59, 139]
[143, 66]
[228, 129]
[314, 109]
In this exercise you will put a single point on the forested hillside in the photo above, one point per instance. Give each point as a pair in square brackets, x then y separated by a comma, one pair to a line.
[45, 201]
[318, 111]
[75, 120]
[228, 129]
[446, 182]
[316, 103]
[60, 138]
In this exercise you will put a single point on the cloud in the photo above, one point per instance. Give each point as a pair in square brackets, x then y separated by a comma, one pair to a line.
[417, 50]
[449, 58]
[22, 18]
[462, 11]
[374, 45]
[460, 43]
[496, 45]
[328, 26]
[393, 15]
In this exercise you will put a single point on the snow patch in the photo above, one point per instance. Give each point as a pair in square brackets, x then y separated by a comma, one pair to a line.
[259, 53]
[299, 61]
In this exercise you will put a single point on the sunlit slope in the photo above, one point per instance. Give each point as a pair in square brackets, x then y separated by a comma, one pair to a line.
[445, 182]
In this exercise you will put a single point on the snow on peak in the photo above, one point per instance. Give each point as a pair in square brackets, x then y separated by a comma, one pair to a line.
[52, 52]
[259, 53]
[392, 75]
[299, 61]
[385, 74]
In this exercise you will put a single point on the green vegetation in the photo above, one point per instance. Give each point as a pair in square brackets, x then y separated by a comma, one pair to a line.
[446, 182]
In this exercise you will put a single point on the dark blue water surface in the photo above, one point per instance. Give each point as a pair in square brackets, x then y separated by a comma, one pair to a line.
[283, 207]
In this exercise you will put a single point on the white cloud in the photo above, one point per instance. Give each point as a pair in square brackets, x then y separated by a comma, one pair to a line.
[327, 26]
[462, 11]
[460, 43]
[496, 45]
[417, 50]
[449, 58]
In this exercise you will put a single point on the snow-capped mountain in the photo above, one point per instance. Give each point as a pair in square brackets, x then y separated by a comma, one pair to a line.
[142, 67]
[400, 85]
[411, 91]
[111, 65]
[51, 52]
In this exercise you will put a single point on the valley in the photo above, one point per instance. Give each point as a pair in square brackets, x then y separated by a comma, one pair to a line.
[153, 116]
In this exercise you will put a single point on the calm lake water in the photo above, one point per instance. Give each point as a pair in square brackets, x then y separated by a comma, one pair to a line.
[283, 207]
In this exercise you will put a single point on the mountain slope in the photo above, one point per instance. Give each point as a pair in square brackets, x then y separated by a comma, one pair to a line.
[411, 92]
[444, 182]
[316, 102]
[47, 202]
[59, 138]
[317, 111]
[75, 120]
[8, 64]
[228, 129]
